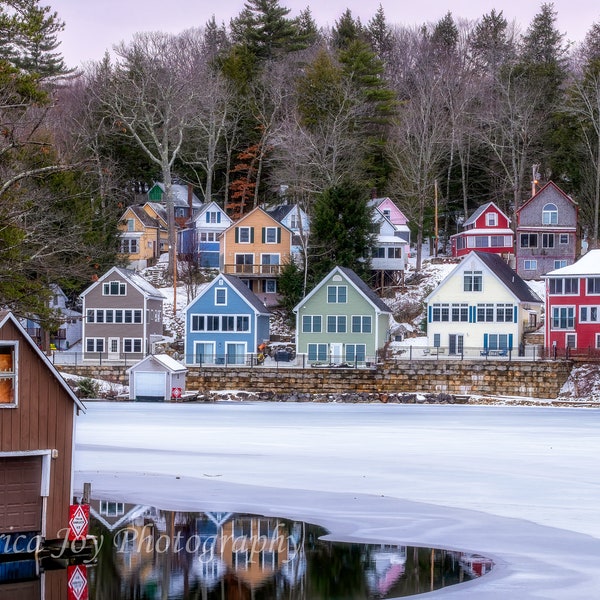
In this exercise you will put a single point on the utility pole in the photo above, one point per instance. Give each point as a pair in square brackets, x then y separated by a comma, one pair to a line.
[435, 249]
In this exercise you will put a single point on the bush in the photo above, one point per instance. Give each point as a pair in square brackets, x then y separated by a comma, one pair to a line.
[88, 388]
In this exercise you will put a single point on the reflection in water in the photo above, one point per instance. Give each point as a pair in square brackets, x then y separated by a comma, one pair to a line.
[149, 553]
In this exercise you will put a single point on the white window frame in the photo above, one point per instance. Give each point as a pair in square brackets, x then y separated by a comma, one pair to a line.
[270, 232]
[530, 264]
[108, 285]
[491, 219]
[97, 342]
[132, 342]
[244, 232]
[11, 374]
[220, 291]
[308, 323]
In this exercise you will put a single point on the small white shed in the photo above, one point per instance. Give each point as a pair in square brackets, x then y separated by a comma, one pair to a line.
[156, 378]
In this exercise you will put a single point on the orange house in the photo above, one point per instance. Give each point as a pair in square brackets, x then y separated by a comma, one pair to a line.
[255, 248]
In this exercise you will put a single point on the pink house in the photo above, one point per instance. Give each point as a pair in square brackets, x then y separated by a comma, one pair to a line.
[394, 215]
[486, 230]
[573, 304]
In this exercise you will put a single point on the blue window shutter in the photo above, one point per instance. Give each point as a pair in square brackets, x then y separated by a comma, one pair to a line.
[515, 314]
[471, 314]
[218, 217]
[430, 313]
[485, 340]
[237, 235]
[207, 217]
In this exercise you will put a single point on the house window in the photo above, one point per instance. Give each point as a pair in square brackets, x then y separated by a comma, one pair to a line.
[550, 214]
[378, 252]
[294, 221]
[112, 509]
[270, 263]
[387, 213]
[485, 313]
[571, 340]
[482, 241]
[90, 315]
[437, 340]
[440, 312]
[317, 352]
[311, 323]
[473, 281]
[356, 352]
[559, 264]
[197, 323]
[227, 323]
[491, 219]
[336, 324]
[564, 286]
[212, 322]
[114, 288]
[598, 340]
[109, 316]
[563, 238]
[337, 294]
[130, 225]
[459, 313]
[498, 341]
[271, 235]
[361, 324]
[530, 265]
[220, 296]
[242, 323]
[8, 374]
[128, 246]
[504, 313]
[244, 235]
[547, 240]
[269, 286]
[589, 314]
[213, 216]
[529, 240]
[244, 263]
[563, 317]
[94, 345]
[593, 285]
[394, 252]
[118, 315]
[132, 345]
[499, 241]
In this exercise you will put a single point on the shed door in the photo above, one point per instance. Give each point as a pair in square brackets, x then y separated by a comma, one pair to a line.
[20, 494]
[150, 384]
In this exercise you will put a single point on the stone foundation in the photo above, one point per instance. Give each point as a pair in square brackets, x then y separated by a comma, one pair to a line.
[540, 379]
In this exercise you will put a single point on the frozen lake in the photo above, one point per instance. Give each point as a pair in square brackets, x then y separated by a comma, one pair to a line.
[520, 485]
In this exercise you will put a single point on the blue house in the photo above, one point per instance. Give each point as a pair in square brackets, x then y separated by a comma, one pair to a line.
[225, 323]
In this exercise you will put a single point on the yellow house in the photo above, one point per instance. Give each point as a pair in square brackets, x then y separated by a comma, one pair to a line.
[254, 249]
[144, 235]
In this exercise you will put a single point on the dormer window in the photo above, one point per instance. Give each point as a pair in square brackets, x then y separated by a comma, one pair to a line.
[550, 214]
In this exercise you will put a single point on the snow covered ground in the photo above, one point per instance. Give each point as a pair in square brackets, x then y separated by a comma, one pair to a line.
[520, 485]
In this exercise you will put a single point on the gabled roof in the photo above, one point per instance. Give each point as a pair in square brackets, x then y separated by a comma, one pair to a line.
[145, 219]
[180, 194]
[257, 209]
[499, 267]
[549, 185]
[281, 211]
[159, 209]
[241, 288]
[6, 316]
[588, 264]
[211, 206]
[164, 359]
[480, 211]
[507, 276]
[141, 284]
[358, 283]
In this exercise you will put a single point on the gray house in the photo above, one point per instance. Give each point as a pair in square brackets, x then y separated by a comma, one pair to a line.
[546, 233]
[123, 316]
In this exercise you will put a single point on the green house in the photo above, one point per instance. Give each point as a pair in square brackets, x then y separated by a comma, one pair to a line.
[341, 321]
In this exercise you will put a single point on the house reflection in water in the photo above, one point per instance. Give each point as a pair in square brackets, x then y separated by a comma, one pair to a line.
[149, 553]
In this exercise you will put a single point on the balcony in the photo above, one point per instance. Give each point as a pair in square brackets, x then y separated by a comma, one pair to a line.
[253, 270]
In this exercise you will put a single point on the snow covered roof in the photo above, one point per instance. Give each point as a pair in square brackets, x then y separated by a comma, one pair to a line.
[163, 359]
[134, 278]
[480, 211]
[588, 264]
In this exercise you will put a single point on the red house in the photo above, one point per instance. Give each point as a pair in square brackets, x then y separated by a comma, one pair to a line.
[486, 230]
[573, 304]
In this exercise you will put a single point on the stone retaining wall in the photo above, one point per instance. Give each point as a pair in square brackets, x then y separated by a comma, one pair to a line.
[540, 379]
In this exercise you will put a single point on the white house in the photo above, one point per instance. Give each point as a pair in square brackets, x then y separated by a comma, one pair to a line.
[481, 307]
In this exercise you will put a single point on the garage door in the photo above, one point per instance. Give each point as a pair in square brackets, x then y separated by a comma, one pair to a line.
[20, 488]
[150, 385]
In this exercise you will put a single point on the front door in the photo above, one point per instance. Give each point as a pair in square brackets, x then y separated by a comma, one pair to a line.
[455, 344]
[113, 348]
[336, 353]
